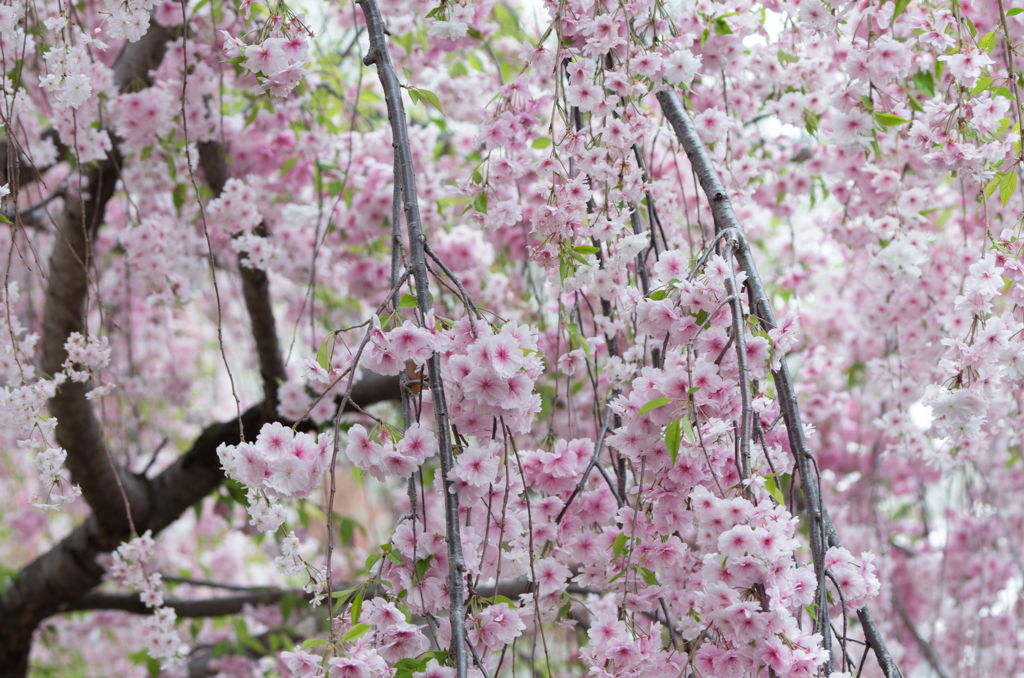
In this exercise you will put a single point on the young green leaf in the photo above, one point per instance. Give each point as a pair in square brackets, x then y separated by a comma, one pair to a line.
[432, 98]
[325, 353]
[654, 404]
[619, 545]
[357, 607]
[649, 576]
[987, 41]
[925, 83]
[356, 632]
[672, 439]
[1007, 185]
[887, 120]
[774, 490]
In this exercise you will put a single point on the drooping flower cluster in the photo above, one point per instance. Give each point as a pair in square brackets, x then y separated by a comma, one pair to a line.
[127, 566]
[388, 457]
[490, 377]
[280, 463]
[277, 62]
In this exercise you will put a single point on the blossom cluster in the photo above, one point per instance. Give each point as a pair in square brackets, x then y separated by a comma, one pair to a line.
[127, 566]
[280, 463]
[388, 457]
[277, 62]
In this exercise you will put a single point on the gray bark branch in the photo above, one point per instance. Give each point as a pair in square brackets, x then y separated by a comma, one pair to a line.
[728, 225]
[379, 56]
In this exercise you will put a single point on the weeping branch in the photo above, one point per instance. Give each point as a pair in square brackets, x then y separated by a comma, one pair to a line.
[406, 178]
[727, 225]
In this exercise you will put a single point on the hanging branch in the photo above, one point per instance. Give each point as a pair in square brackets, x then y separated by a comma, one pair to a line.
[379, 56]
[726, 224]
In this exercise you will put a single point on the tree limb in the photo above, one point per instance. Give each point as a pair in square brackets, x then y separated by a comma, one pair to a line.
[78, 430]
[404, 173]
[191, 609]
[68, 571]
[728, 225]
[255, 289]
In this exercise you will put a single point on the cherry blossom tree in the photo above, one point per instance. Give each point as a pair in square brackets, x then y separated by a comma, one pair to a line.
[467, 338]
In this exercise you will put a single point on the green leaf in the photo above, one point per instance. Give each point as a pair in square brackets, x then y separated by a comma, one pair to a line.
[774, 490]
[991, 187]
[925, 83]
[987, 41]
[619, 545]
[288, 165]
[356, 632]
[372, 560]
[971, 27]
[672, 439]
[887, 120]
[507, 601]
[480, 203]
[345, 593]
[408, 73]
[145, 152]
[406, 667]
[658, 295]
[1007, 185]
[649, 576]
[586, 249]
[395, 557]
[323, 354]
[357, 607]
[541, 142]
[653, 405]
[574, 334]
[408, 301]
[914, 104]
[722, 27]
[688, 428]
[1015, 11]
[901, 5]
[432, 98]
[982, 85]
[811, 123]
[4, 219]
[180, 191]
[313, 642]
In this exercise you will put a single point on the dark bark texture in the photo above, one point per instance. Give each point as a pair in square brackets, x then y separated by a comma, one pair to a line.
[61, 579]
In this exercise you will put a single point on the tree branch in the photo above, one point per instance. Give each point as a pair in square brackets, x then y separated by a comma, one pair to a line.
[255, 289]
[69, 570]
[78, 430]
[404, 173]
[203, 607]
[726, 224]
